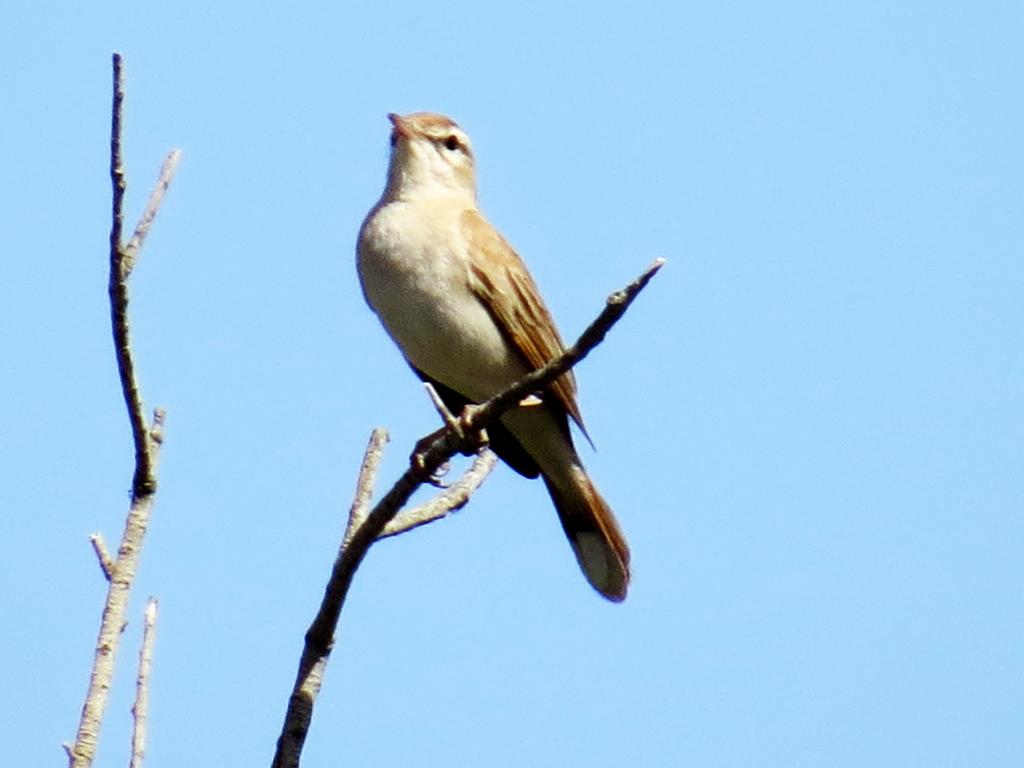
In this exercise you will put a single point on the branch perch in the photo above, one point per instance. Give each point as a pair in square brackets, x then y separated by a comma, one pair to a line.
[147, 437]
[362, 531]
[451, 499]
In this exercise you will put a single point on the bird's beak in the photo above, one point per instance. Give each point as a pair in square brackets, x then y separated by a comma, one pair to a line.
[401, 126]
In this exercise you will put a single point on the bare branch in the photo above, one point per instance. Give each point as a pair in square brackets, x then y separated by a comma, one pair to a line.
[112, 621]
[140, 709]
[365, 482]
[100, 548]
[452, 499]
[319, 640]
[156, 197]
[320, 635]
[122, 261]
[147, 439]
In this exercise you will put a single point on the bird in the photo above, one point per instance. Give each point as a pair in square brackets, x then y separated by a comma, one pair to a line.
[469, 319]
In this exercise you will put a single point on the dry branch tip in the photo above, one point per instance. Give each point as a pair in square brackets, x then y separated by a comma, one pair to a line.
[99, 546]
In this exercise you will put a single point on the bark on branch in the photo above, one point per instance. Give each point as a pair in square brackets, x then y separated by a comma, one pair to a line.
[467, 436]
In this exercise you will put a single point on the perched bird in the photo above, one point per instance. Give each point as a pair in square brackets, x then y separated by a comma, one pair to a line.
[467, 316]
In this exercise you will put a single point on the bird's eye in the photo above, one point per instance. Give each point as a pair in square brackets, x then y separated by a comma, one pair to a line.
[394, 139]
[452, 143]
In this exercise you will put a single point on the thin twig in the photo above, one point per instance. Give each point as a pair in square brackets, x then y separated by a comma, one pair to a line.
[140, 709]
[122, 261]
[365, 482]
[449, 418]
[118, 290]
[147, 439]
[100, 548]
[156, 197]
[319, 639]
[452, 499]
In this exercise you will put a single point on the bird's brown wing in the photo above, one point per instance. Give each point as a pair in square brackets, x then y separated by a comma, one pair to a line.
[500, 280]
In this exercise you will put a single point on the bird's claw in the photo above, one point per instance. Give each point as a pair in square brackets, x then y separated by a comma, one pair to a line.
[419, 453]
[464, 438]
[436, 479]
[468, 437]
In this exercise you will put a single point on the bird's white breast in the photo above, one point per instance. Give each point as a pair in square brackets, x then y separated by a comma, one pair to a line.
[413, 264]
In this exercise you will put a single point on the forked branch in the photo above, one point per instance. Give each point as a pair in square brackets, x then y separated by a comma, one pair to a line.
[147, 436]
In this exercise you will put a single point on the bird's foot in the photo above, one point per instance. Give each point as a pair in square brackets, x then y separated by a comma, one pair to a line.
[419, 455]
[469, 438]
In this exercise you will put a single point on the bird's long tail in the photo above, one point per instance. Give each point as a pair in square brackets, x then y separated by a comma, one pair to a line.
[592, 530]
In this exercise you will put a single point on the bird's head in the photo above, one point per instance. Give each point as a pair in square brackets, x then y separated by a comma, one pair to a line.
[430, 155]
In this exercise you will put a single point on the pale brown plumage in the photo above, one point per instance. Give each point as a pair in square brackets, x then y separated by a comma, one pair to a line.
[503, 284]
[462, 306]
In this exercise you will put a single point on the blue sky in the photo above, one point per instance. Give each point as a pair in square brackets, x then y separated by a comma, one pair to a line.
[810, 425]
